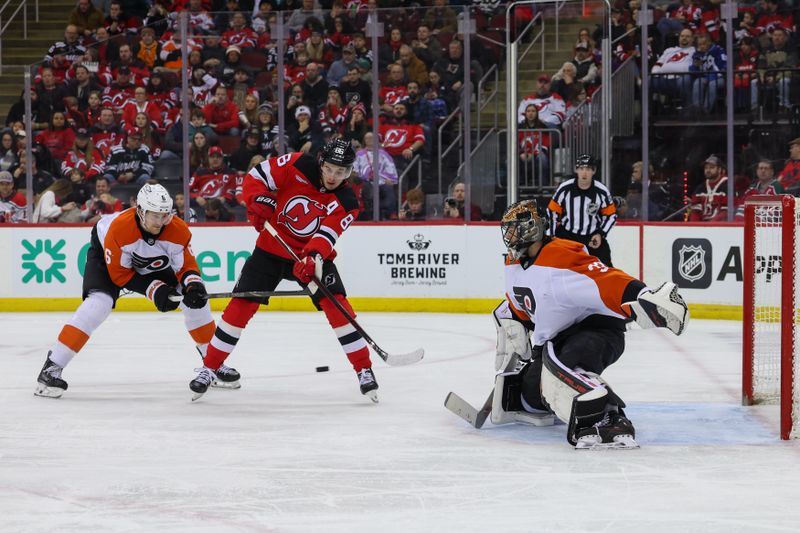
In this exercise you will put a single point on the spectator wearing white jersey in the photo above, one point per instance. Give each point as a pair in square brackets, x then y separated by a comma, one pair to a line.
[672, 68]
[551, 106]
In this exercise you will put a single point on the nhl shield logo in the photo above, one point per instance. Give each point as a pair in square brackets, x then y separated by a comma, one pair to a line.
[691, 262]
[592, 209]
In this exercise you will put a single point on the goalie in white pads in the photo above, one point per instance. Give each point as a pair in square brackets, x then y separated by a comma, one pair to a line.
[574, 308]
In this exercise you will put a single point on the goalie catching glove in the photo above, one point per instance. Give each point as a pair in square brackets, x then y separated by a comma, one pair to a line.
[660, 308]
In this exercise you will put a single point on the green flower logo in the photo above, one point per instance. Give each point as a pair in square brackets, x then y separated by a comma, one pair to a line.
[43, 261]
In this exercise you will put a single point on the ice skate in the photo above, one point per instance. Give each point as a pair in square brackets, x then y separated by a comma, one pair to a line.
[614, 431]
[201, 382]
[50, 384]
[369, 387]
[226, 377]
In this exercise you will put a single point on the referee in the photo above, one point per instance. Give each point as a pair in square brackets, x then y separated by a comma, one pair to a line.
[582, 210]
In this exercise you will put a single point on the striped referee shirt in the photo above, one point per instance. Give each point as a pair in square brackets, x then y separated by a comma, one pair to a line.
[583, 212]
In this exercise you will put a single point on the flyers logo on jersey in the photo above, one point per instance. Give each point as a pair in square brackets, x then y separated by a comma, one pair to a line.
[302, 215]
[153, 264]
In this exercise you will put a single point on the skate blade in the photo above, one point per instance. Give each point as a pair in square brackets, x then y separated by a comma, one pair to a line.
[226, 384]
[48, 392]
[372, 395]
[197, 395]
[592, 442]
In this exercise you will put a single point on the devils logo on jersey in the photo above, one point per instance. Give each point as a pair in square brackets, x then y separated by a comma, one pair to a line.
[153, 264]
[395, 137]
[302, 215]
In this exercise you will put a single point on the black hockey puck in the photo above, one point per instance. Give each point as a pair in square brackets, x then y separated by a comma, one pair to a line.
[322, 369]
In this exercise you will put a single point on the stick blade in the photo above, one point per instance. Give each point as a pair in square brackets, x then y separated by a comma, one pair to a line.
[401, 359]
[461, 408]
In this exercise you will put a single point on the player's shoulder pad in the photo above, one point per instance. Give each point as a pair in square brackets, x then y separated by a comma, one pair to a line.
[176, 231]
[309, 166]
[347, 197]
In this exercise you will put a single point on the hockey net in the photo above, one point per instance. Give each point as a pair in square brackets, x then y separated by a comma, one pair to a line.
[771, 366]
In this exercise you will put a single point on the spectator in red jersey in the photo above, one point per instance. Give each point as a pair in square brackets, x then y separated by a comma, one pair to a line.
[140, 104]
[120, 91]
[12, 202]
[401, 138]
[773, 16]
[217, 180]
[106, 133]
[239, 34]
[789, 177]
[534, 148]
[58, 138]
[139, 71]
[102, 202]
[709, 203]
[83, 156]
[222, 115]
[334, 114]
[393, 90]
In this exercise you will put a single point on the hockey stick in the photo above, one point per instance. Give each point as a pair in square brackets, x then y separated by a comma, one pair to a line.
[390, 359]
[248, 294]
[460, 407]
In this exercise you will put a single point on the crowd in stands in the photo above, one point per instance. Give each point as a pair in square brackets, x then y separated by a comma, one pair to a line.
[107, 104]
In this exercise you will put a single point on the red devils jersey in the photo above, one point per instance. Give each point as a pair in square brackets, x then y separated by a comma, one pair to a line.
[392, 94]
[213, 183]
[397, 137]
[307, 215]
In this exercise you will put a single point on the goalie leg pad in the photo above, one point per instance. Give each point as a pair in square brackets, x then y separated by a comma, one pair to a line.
[561, 384]
[662, 308]
[512, 338]
[508, 406]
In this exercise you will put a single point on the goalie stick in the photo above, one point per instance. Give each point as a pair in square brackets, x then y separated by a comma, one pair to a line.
[246, 294]
[463, 409]
[390, 359]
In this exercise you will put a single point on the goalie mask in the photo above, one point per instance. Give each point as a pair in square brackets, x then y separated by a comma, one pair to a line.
[154, 207]
[522, 226]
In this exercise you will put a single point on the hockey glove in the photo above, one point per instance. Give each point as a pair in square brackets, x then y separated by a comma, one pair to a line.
[161, 298]
[260, 210]
[308, 267]
[195, 295]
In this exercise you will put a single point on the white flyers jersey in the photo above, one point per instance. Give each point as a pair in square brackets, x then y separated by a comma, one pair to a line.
[126, 251]
[563, 286]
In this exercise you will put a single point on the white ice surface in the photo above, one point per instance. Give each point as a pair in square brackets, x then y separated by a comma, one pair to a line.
[299, 451]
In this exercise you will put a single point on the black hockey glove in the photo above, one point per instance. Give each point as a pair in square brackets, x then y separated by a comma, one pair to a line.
[162, 301]
[194, 296]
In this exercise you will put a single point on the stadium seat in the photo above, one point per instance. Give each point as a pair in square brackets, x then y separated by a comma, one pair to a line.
[168, 169]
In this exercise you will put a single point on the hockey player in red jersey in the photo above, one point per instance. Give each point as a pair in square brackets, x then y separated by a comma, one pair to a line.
[142, 249]
[574, 309]
[311, 205]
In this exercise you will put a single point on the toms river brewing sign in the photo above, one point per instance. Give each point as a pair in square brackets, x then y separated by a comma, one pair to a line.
[420, 262]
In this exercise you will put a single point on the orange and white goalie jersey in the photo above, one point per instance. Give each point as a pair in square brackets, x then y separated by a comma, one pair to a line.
[563, 286]
[126, 252]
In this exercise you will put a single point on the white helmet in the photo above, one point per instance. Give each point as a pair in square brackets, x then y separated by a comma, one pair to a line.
[153, 198]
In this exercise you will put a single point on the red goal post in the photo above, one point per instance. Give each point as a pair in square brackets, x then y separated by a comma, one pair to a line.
[770, 371]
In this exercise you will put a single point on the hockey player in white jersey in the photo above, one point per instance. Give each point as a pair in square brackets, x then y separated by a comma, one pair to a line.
[574, 310]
